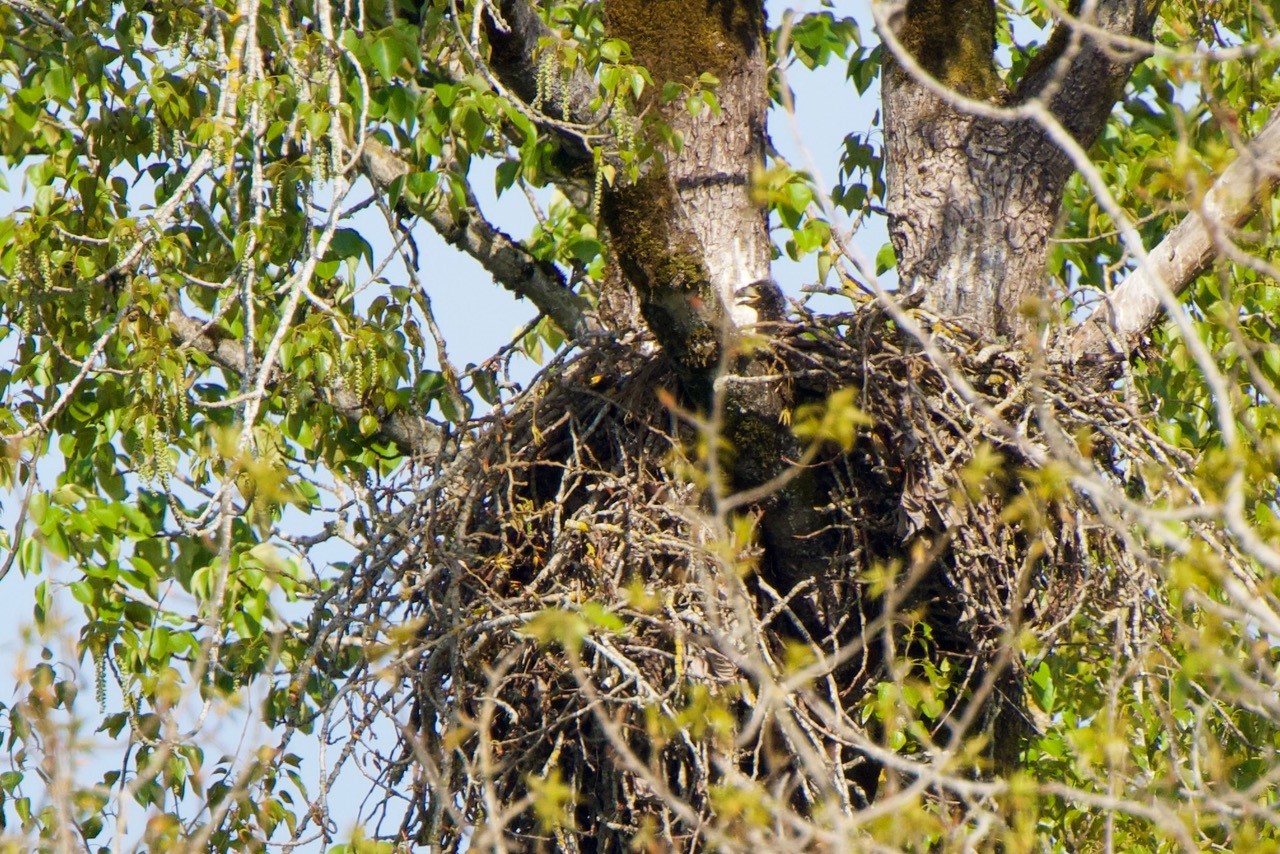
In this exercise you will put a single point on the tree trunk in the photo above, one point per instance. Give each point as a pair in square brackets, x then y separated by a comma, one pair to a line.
[972, 203]
[693, 243]
[973, 199]
[689, 238]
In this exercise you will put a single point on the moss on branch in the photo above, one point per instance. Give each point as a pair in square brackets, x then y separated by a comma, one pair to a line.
[665, 266]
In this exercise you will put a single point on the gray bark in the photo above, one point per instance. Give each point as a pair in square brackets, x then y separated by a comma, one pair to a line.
[690, 240]
[972, 200]
[971, 207]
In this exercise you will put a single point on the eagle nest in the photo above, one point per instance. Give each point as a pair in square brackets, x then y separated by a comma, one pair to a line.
[588, 646]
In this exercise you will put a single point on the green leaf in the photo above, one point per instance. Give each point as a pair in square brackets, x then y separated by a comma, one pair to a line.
[886, 260]
[558, 626]
[349, 243]
[387, 54]
[486, 383]
[1043, 690]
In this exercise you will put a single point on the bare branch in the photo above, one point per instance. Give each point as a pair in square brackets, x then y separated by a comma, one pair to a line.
[1130, 311]
[509, 263]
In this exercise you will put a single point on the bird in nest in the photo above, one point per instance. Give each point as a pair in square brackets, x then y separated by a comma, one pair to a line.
[765, 297]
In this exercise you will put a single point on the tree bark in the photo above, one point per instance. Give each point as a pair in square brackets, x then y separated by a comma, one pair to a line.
[693, 244]
[973, 199]
[690, 239]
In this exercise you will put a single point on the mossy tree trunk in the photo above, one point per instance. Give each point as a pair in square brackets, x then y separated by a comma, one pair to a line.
[692, 241]
[688, 242]
[688, 237]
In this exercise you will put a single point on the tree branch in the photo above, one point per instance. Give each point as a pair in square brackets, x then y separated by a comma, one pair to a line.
[509, 263]
[1081, 74]
[1129, 312]
[410, 433]
[32, 11]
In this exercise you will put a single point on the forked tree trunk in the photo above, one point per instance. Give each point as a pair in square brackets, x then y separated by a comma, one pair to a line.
[972, 203]
[973, 199]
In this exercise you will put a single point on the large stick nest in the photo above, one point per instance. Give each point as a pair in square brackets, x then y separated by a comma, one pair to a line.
[587, 653]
